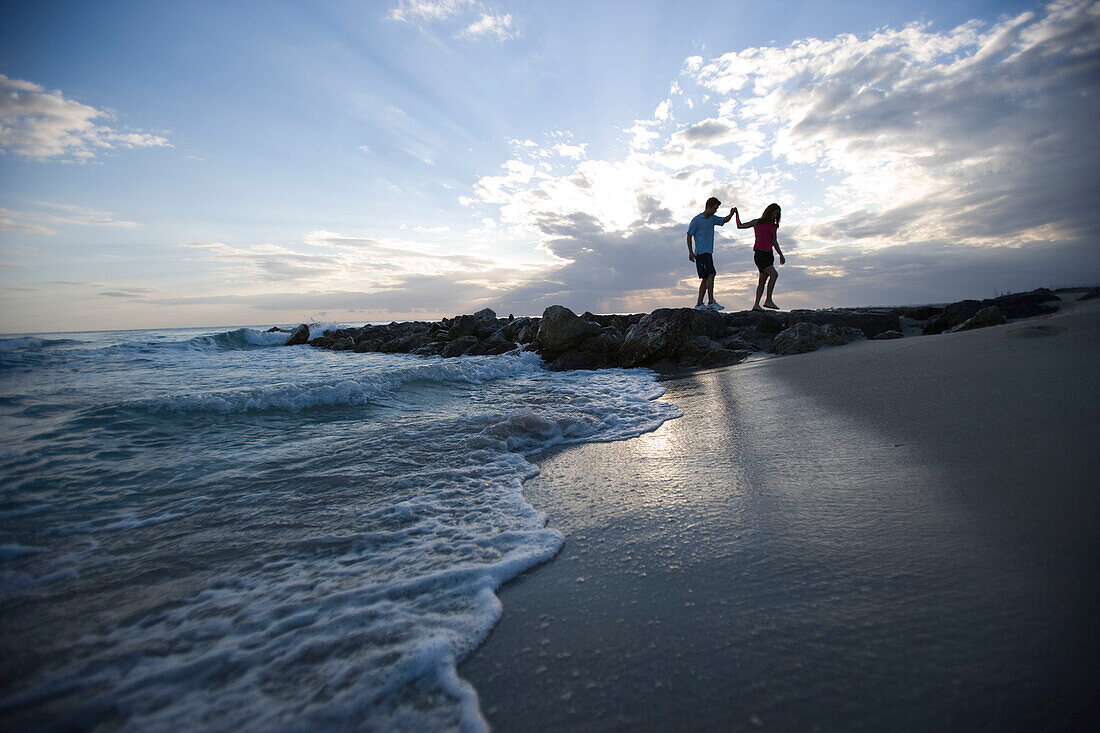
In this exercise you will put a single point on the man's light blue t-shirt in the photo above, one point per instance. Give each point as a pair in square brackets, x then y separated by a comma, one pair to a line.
[701, 230]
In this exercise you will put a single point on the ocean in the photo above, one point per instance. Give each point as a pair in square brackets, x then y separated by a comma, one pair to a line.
[205, 529]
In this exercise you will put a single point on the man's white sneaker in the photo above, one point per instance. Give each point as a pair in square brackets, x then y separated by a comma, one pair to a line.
[716, 306]
[702, 307]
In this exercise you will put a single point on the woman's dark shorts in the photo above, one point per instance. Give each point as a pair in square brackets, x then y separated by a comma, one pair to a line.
[764, 259]
[704, 264]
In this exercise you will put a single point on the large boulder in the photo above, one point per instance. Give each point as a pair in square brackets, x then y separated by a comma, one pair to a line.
[521, 330]
[401, 338]
[560, 330]
[870, 321]
[990, 316]
[459, 346]
[462, 326]
[498, 343]
[342, 344]
[299, 336]
[671, 334]
[486, 314]
[435, 348]
[953, 314]
[1014, 305]
[1025, 305]
[804, 337]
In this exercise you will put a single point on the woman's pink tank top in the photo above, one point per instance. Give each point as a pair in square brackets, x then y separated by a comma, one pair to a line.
[765, 236]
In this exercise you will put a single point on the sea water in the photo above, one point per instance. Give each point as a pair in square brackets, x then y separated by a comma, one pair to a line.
[208, 529]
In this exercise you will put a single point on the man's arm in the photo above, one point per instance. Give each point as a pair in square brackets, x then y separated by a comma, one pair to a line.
[691, 252]
[730, 215]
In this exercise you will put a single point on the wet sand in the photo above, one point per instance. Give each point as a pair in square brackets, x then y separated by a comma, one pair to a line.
[885, 535]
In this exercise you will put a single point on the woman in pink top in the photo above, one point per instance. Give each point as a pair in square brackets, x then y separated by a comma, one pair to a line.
[765, 228]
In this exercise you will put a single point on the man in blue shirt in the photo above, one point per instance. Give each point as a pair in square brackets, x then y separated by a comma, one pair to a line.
[701, 230]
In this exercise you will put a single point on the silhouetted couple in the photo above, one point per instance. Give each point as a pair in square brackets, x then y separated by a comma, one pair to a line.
[701, 234]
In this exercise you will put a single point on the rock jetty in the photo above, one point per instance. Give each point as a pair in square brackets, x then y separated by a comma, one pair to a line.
[670, 340]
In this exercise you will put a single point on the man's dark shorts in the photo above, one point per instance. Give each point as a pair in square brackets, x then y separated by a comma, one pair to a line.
[704, 264]
[764, 259]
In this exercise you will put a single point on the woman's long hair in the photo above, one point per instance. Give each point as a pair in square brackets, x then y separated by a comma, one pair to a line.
[772, 214]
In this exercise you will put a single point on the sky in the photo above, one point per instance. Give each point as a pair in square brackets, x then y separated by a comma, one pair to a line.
[169, 164]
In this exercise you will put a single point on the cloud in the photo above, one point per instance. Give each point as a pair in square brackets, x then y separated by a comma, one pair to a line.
[491, 25]
[420, 296]
[41, 125]
[34, 222]
[421, 10]
[15, 221]
[477, 19]
[329, 261]
[129, 293]
[975, 144]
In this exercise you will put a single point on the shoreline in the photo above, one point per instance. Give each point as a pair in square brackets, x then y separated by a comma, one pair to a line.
[896, 533]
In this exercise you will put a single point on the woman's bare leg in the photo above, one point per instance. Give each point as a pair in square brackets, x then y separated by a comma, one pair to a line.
[772, 274]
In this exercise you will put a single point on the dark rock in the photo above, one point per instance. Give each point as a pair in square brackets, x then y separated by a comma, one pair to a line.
[486, 328]
[459, 346]
[1091, 294]
[405, 343]
[435, 348]
[804, 337]
[343, 344]
[571, 360]
[737, 343]
[724, 357]
[461, 327]
[1014, 305]
[498, 343]
[870, 321]
[1025, 305]
[276, 329]
[769, 324]
[560, 330]
[669, 340]
[741, 319]
[521, 330]
[299, 336]
[478, 349]
[596, 352]
[609, 340]
[952, 315]
[502, 347]
[670, 333]
[988, 316]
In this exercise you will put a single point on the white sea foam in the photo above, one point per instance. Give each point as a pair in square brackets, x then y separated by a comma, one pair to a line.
[325, 570]
[366, 389]
[318, 329]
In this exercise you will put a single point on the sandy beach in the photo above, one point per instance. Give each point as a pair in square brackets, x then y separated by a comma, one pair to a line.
[889, 535]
